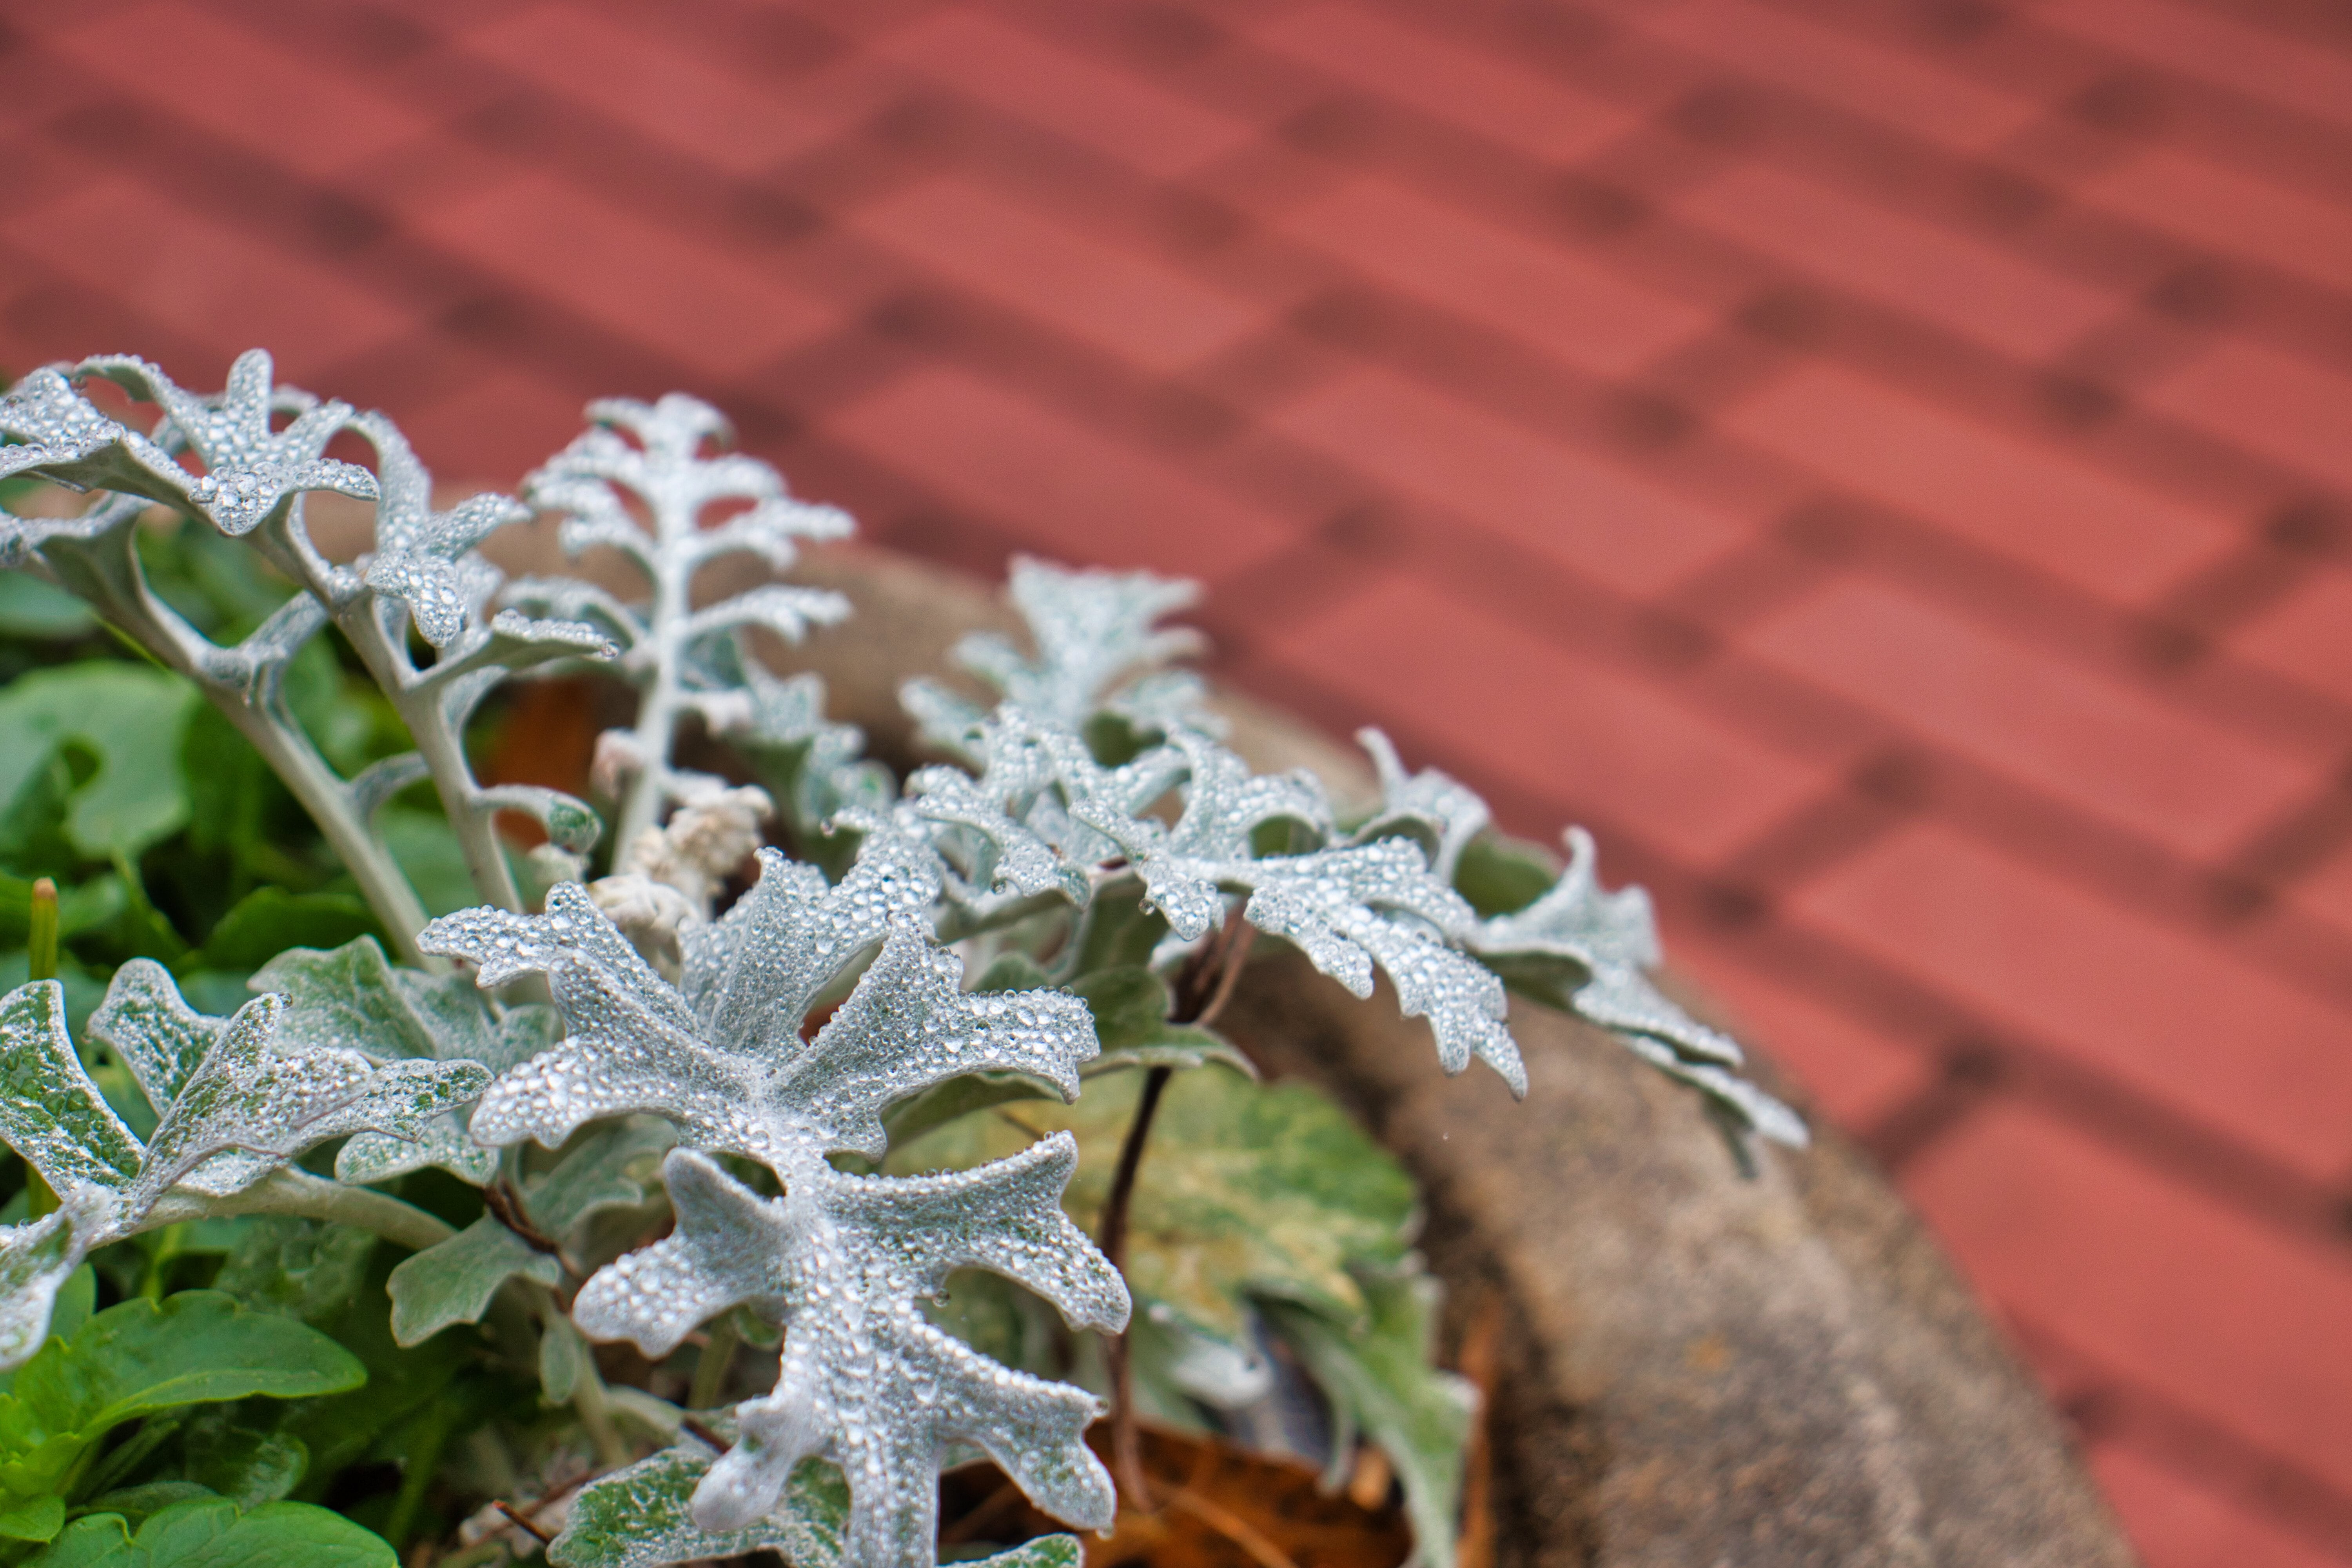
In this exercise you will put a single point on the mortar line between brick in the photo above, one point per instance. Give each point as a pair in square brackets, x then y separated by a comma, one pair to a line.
[2200, 1449]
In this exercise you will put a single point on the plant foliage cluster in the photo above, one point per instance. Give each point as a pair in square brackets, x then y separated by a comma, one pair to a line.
[717, 1202]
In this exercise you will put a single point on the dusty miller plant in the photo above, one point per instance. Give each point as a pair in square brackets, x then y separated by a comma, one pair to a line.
[856, 1080]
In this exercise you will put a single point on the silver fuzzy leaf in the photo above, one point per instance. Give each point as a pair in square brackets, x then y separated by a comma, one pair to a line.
[250, 469]
[1097, 650]
[1598, 946]
[1049, 814]
[721, 1054]
[352, 998]
[865, 1379]
[232, 1107]
[424, 558]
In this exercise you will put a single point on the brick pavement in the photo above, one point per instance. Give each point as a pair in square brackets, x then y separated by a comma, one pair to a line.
[1885, 467]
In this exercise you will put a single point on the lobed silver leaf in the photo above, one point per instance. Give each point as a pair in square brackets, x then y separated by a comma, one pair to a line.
[865, 1379]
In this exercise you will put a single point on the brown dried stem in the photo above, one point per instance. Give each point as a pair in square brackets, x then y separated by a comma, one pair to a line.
[1201, 991]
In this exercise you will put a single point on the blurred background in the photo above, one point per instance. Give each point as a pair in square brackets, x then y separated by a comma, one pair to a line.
[1881, 466]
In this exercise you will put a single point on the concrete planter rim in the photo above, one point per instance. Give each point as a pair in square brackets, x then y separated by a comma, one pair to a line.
[1695, 1369]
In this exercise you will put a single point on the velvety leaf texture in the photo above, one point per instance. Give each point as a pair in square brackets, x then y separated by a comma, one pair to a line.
[1095, 650]
[233, 1104]
[1047, 814]
[841, 1260]
[1589, 950]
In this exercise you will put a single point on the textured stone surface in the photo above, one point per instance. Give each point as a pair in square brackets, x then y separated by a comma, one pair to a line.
[1703, 1369]
[1699, 1369]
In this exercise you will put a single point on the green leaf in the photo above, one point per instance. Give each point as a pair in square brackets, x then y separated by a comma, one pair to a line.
[247, 1465]
[1247, 1191]
[37, 1519]
[452, 1283]
[194, 1348]
[1499, 874]
[40, 610]
[1014, 972]
[197, 1347]
[354, 997]
[137, 1504]
[1130, 1004]
[209, 1532]
[129, 719]
[1180, 1046]
[1119, 930]
[564, 1358]
[269, 921]
[428, 853]
[1380, 1380]
[305, 1269]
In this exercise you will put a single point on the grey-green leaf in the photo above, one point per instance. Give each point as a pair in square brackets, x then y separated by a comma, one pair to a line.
[452, 1283]
[1379, 1378]
[640, 1517]
[37, 1259]
[51, 1112]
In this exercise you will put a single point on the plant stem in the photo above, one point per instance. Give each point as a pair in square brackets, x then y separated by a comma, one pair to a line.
[292, 1192]
[710, 1370]
[106, 574]
[41, 932]
[1127, 1445]
[657, 712]
[444, 751]
[321, 793]
[1201, 990]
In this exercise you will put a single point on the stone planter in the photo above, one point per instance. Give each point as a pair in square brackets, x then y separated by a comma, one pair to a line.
[1694, 1370]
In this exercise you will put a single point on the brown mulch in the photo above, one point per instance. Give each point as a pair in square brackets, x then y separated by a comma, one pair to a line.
[1214, 1506]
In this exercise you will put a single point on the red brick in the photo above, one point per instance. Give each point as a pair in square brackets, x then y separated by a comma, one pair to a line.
[2326, 890]
[1855, 1074]
[1968, 287]
[1120, 298]
[2232, 211]
[1855, 74]
[2202, 41]
[2308, 635]
[1075, 495]
[1484, 92]
[205, 278]
[634, 74]
[2037, 504]
[2283, 408]
[240, 87]
[1598, 521]
[437, 170]
[2176, 1521]
[503, 425]
[1544, 294]
[1123, 115]
[1555, 725]
[2178, 1019]
[720, 315]
[2108, 749]
[2232, 1320]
